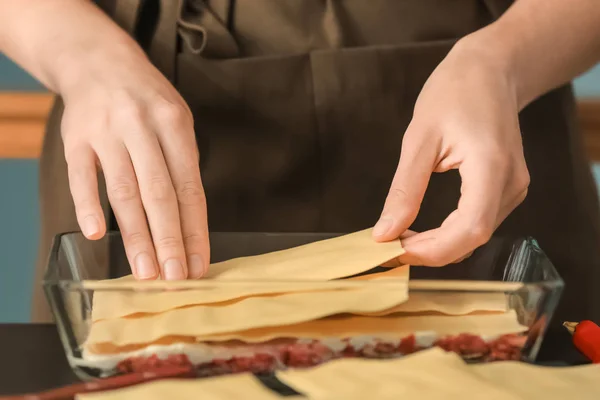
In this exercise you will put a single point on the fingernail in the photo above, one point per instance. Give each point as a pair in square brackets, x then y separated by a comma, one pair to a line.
[173, 270]
[383, 226]
[90, 226]
[144, 266]
[196, 266]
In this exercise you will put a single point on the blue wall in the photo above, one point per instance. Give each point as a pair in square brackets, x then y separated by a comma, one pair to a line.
[18, 229]
[588, 85]
[13, 78]
[19, 215]
[19, 210]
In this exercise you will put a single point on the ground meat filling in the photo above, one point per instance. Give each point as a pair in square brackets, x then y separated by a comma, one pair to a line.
[300, 354]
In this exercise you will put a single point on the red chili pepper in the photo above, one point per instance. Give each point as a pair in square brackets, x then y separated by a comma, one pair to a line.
[586, 337]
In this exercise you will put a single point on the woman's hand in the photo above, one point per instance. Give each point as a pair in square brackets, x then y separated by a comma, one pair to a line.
[466, 118]
[121, 116]
[126, 118]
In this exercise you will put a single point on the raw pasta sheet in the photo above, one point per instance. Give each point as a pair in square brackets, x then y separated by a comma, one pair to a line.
[390, 326]
[435, 374]
[242, 386]
[116, 304]
[334, 258]
[528, 381]
[250, 313]
[430, 374]
[450, 303]
[302, 268]
[323, 260]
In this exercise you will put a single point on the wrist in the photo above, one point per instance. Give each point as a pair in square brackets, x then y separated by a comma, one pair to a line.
[84, 63]
[491, 49]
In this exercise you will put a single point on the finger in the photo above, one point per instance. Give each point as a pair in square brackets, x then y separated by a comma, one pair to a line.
[124, 197]
[396, 262]
[83, 184]
[411, 258]
[508, 206]
[472, 224]
[177, 140]
[159, 200]
[505, 210]
[407, 233]
[402, 204]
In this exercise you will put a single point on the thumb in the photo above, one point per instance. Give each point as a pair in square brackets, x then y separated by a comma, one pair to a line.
[417, 161]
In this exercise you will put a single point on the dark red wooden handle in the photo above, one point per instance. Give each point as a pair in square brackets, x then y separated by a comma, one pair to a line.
[115, 382]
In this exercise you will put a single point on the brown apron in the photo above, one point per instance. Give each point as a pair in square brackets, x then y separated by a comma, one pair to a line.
[300, 108]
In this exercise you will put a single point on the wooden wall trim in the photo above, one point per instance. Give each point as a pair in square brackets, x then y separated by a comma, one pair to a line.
[23, 119]
[22, 122]
[589, 117]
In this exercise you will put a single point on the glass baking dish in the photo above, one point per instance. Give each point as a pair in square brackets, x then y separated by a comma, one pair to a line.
[516, 271]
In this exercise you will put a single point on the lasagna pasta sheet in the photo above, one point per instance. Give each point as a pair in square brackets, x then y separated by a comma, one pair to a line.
[450, 303]
[556, 383]
[323, 260]
[116, 304]
[435, 374]
[430, 374]
[253, 312]
[390, 326]
[242, 386]
[283, 271]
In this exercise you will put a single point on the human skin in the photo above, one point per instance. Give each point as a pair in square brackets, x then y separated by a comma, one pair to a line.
[466, 118]
[123, 116]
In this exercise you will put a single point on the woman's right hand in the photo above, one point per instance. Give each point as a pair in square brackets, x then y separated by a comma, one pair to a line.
[126, 119]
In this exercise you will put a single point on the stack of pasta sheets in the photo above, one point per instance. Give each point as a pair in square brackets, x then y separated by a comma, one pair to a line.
[297, 307]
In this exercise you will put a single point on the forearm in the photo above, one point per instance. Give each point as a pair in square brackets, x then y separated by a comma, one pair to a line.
[543, 43]
[58, 41]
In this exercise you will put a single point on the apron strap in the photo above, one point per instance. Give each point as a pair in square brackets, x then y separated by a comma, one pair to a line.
[164, 45]
[205, 27]
[160, 17]
[126, 14]
[202, 31]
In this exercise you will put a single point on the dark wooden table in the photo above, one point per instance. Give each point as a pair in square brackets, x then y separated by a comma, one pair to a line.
[33, 357]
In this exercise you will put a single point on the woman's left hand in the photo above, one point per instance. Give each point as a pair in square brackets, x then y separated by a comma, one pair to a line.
[466, 118]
